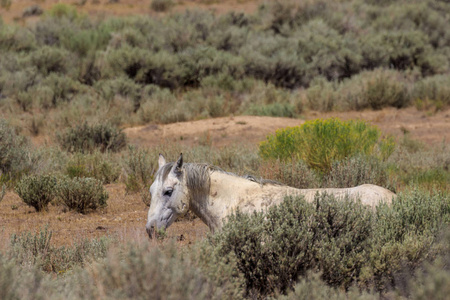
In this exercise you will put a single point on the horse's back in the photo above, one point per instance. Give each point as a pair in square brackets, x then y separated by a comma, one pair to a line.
[372, 195]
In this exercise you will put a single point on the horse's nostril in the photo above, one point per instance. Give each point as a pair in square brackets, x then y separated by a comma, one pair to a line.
[150, 230]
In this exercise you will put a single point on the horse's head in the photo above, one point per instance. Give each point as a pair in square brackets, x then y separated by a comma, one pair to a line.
[169, 196]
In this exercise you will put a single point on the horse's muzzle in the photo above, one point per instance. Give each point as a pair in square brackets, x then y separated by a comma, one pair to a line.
[150, 230]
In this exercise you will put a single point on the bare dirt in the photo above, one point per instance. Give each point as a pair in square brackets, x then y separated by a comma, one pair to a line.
[126, 214]
[219, 132]
[103, 8]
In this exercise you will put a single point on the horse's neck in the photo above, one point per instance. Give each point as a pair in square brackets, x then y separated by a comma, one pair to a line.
[222, 199]
[227, 193]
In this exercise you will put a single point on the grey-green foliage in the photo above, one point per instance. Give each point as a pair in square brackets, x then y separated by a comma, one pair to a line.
[405, 235]
[434, 88]
[3, 193]
[140, 166]
[51, 60]
[346, 241]
[14, 159]
[286, 110]
[37, 190]
[35, 250]
[161, 5]
[358, 170]
[139, 273]
[294, 173]
[82, 194]
[312, 287]
[369, 89]
[87, 138]
[96, 165]
[272, 250]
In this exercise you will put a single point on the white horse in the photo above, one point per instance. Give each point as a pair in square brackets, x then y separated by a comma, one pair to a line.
[213, 194]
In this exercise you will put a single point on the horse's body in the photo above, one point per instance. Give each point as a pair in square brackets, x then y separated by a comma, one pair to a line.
[213, 194]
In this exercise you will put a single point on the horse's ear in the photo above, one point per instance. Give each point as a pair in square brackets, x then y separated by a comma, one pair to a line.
[177, 166]
[161, 161]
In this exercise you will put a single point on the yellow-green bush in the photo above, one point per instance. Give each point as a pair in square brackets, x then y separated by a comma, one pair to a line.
[321, 142]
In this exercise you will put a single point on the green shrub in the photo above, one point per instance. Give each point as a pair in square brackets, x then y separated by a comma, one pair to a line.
[435, 88]
[161, 5]
[404, 236]
[347, 242]
[286, 110]
[272, 250]
[382, 92]
[14, 159]
[2, 193]
[86, 138]
[275, 60]
[62, 88]
[292, 173]
[33, 10]
[36, 250]
[16, 39]
[313, 287]
[326, 52]
[94, 165]
[82, 194]
[357, 170]
[84, 42]
[321, 95]
[50, 59]
[140, 166]
[321, 142]
[200, 62]
[62, 10]
[142, 273]
[37, 191]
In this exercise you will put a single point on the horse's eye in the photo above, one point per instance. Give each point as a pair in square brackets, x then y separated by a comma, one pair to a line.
[168, 193]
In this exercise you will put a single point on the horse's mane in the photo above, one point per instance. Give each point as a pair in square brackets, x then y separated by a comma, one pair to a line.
[198, 176]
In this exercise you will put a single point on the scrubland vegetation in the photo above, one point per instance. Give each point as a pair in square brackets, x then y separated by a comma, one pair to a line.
[80, 80]
[285, 58]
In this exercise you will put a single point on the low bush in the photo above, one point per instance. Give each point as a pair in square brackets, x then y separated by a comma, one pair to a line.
[36, 250]
[141, 273]
[94, 165]
[274, 249]
[321, 142]
[161, 5]
[349, 243]
[62, 10]
[273, 110]
[58, 89]
[33, 10]
[312, 287]
[292, 173]
[383, 92]
[87, 138]
[357, 170]
[37, 191]
[2, 193]
[50, 59]
[435, 89]
[14, 159]
[140, 166]
[81, 194]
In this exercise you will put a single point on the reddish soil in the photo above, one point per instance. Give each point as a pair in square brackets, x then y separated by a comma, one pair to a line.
[429, 128]
[125, 7]
[126, 215]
